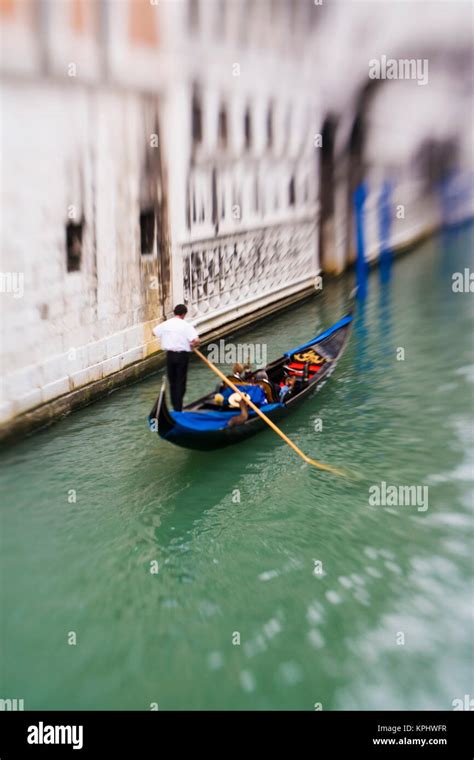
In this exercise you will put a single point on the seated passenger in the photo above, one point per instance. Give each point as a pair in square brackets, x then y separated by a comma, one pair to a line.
[247, 373]
[238, 376]
[261, 379]
[237, 372]
[287, 389]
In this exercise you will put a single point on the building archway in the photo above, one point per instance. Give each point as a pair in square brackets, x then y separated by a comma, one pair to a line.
[326, 192]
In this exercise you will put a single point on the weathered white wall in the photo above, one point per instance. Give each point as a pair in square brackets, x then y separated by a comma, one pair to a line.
[71, 150]
[81, 142]
[74, 147]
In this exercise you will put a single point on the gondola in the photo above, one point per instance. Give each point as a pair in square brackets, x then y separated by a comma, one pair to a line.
[203, 425]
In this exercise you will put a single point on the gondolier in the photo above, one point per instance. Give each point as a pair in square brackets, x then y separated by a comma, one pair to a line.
[177, 338]
[204, 424]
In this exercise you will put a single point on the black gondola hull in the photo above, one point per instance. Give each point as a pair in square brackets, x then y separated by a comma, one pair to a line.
[161, 420]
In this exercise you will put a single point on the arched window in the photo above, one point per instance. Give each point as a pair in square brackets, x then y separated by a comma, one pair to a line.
[223, 204]
[270, 127]
[291, 192]
[74, 245]
[196, 118]
[222, 128]
[214, 211]
[147, 230]
[248, 129]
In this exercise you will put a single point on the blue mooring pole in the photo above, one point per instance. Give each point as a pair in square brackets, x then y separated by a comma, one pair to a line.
[385, 220]
[360, 196]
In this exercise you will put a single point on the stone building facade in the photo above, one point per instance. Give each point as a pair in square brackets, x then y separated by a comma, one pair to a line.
[202, 151]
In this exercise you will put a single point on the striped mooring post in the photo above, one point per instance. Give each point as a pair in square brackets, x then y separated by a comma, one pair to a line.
[360, 196]
[385, 220]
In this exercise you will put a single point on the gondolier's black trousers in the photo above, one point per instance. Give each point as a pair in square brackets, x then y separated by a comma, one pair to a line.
[177, 366]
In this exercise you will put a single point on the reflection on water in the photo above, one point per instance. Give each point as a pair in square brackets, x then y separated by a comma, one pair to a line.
[333, 601]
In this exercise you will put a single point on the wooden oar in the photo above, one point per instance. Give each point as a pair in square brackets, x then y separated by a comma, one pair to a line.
[264, 417]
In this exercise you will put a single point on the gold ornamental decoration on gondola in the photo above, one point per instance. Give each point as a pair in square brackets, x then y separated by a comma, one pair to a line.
[309, 356]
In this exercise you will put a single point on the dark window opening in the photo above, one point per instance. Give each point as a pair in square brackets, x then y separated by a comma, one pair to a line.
[147, 231]
[188, 211]
[435, 161]
[291, 192]
[74, 246]
[356, 137]
[248, 129]
[214, 212]
[327, 181]
[196, 119]
[222, 128]
[270, 128]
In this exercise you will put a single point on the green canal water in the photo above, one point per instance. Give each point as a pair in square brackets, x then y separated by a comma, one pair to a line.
[382, 620]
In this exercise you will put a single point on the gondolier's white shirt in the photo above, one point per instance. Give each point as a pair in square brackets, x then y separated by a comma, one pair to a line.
[175, 334]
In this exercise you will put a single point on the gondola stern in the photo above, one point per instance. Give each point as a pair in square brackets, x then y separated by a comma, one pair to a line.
[159, 419]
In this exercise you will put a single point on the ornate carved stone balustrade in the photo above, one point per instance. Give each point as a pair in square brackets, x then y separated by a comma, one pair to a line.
[220, 273]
